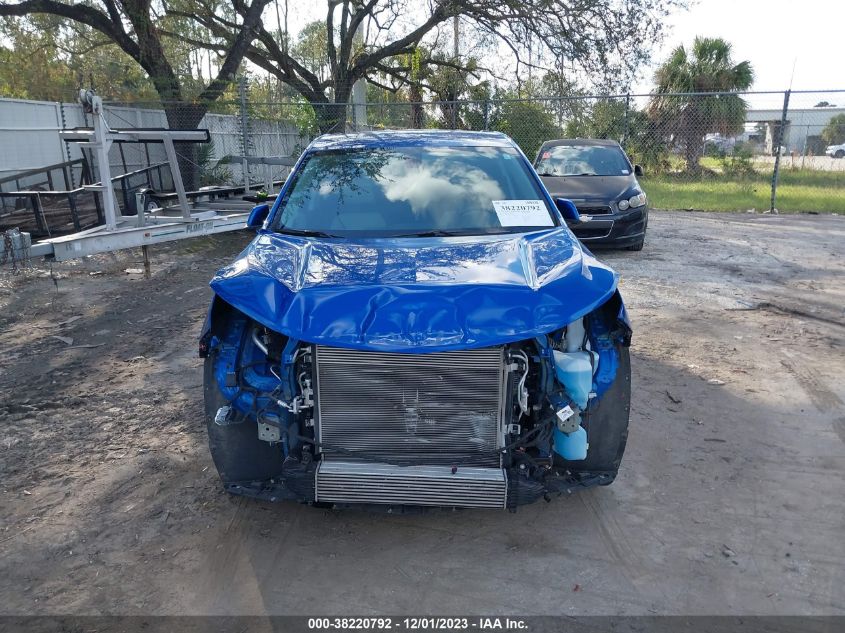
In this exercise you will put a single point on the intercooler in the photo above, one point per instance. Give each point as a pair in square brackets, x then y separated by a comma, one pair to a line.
[419, 429]
[354, 482]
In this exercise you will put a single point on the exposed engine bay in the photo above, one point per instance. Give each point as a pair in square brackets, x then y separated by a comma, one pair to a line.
[488, 427]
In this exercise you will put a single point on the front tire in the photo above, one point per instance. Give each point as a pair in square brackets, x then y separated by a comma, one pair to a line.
[238, 454]
[607, 428]
[637, 246]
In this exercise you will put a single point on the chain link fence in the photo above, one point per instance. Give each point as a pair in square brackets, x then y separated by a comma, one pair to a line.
[711, 151]
[758, 151]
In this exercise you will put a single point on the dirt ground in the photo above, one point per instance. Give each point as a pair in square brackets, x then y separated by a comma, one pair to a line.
[730, 498]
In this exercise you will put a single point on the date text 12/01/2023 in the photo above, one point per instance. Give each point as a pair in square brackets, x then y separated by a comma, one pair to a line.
[418, 624]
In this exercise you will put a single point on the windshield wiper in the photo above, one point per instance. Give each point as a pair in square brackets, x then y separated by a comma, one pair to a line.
[435, 233]
[304, 232]
[586, 173]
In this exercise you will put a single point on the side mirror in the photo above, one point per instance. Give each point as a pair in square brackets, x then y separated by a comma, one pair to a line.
[567, 209]
[638, 170]
[257, 216]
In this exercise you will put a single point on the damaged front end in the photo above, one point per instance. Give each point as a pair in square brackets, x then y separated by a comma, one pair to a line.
[490, 426]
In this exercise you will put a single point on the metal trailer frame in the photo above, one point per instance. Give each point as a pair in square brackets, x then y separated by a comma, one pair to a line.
[268, 162]
[37, 197]
[206, 212]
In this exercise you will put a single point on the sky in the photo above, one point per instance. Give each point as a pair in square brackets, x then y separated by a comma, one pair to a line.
[774, 35]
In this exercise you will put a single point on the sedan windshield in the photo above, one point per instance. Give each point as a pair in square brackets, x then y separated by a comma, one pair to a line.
[582, 160]
[413, 191]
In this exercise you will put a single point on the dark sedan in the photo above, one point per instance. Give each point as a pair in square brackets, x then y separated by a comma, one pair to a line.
[600, 179]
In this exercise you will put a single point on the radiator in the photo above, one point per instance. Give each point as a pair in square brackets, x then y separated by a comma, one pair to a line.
[442, 408]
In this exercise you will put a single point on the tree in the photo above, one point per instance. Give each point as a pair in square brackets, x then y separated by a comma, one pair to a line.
[686, 118]
[43, 60]
[526, 122]
[834, 132]
[137, 26]
[604, 118]
[602, 38]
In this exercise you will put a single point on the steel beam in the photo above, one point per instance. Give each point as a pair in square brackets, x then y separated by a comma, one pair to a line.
[101, 240]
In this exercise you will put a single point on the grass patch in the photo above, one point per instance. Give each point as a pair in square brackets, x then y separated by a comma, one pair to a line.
[798, 190]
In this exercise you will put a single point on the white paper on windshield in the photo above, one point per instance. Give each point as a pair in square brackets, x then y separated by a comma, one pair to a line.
[522, 213]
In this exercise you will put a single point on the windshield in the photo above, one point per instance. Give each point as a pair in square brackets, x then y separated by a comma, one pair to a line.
[409, 191]
[582, 160]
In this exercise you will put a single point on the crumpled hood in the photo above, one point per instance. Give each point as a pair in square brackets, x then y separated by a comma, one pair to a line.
[415, 294]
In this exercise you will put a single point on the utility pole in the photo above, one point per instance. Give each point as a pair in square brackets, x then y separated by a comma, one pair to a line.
[359, 92]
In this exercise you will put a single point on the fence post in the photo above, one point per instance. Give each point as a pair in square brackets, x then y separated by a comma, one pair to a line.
[627, 110]
[244, 131]
[776, 171]
[486, 115]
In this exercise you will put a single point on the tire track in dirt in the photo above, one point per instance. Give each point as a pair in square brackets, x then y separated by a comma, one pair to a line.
[617, 544]
[811, 382]
[822, 397]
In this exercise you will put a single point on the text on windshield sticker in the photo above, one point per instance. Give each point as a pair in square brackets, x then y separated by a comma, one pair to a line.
[522, 213]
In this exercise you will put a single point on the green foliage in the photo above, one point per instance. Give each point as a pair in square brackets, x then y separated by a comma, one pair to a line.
[211, 172]
[739, 165]
[304, 117]
[798, 190]
[526, 122]
[42, 59]
[310, 48]
[604, 118]
[834, 132]
[387, 109]
[449, 83]
[644, 145]
[706, 67]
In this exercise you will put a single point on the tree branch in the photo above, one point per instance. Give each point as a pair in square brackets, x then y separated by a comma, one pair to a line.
[331, 50]
[235, 53]
[80, 13]
[440, 14]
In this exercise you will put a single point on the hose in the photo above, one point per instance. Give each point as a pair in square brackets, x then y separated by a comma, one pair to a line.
[258, 342]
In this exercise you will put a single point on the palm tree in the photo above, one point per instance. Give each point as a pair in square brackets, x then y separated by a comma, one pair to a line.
[706, 67]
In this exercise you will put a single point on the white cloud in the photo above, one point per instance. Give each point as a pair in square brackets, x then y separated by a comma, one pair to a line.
[437, 186]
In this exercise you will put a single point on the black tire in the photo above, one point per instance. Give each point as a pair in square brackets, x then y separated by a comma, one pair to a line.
[238, 454]
[638, 246]
[607, 427]
[839, 153]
